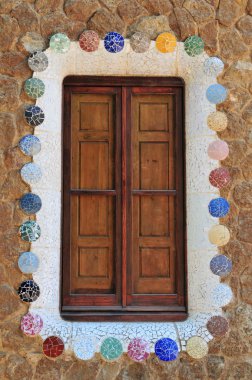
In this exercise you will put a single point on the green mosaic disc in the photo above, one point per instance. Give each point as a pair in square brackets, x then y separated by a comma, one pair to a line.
[34, 88]
[111, 349]
[194, 45]
[60, 43]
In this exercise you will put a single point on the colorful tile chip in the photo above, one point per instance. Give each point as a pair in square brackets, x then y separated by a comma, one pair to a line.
[166, 42]
[30, 145]
[140, 42]
[221, 265]
[34, 87]
[30, 203]
[113, 42]
[138, 349]
[85, 347]
[111, 349]
[38, 61]
[31, 324]
[31, 173]
[218, 150]
[218, 207]
[217, 326]
[213, 66]
[166, 349]
[34, 115]
[59, 43]
[53, 346]
[196, 347]
[194, 45]
[216, 93]
[29, 231]
[217, 121]
[89, 41]
[220, 178]
[28, 262]
[28, 291]
[219, 235]
[222, 295]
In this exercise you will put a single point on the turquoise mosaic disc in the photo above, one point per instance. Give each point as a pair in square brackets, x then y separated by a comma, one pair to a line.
[111, 349]
[29, 231]
[28, 262]
[34, 88]
[60, 43]
[194, 45]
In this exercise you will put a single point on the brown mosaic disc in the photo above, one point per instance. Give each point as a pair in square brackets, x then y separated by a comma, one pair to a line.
[89, 41]
[217, 326]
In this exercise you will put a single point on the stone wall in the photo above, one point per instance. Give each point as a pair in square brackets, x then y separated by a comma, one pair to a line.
[225, 26]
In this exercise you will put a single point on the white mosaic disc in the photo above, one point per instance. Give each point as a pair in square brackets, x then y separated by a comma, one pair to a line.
[222, 295]
[196, 347]
[213, 66]
[31, 173]
[85, 347]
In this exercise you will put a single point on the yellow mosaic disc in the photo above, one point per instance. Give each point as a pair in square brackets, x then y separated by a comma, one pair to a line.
[219, 235]
[166, 42]
[196, 347]
[217, 121]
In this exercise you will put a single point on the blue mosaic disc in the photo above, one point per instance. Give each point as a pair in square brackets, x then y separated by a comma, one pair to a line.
[29, 231]
[113, 42]
[28, 262]
[31, 173]
[30, 203]
[30, 145]
[218, 207]
[34, 115]
[28, 291]
[221, 265]
[166, 349]
[34, 87]
[216, 93]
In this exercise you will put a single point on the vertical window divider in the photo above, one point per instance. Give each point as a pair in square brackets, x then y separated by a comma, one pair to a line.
[124, 197]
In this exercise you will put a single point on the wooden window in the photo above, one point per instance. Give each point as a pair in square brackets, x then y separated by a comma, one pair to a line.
[123, 234]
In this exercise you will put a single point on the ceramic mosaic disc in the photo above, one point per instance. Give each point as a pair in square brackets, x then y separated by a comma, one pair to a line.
[60, 43]
[166, 42]
[85, 347]
[29, 231]
[34, 88]
[222, 295]
[218, 207]
[53, 346]
[220, 178]
[28, 291]
[34, 116]
[218, 150]
[216, 93]
[213, 66]
[38, 61]
[31, 173]
[89, 41]
[30, 203]
[31, 324]
[219, 235]
[113, 42]
[194, 45]
[30, 145]
[138, 349]
[221, 265]
[217, 326]
[217, 121]
[140, 42]
[197, 347]
[28, 262]
[166, 349]
[111, 349]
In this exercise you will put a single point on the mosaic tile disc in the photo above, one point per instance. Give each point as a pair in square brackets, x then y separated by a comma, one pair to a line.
[166, 349]
[31, 173]
[85, 347]
[217, 326]
[166, 42]
[34, 88]
[217, 121]
[30, 145]
[220, 178]
[140, 42]
[30, 203]
[221, 265]
[28, 291]
[34, 115]
[213, 66]
[60, 43]
[53, 346]
[219, 235]
[197, 347]
[28, 262]
[218, 207]
[113, 42]
[38, 61]
[216, 93]
[222, 295]
[218, 150]
[29, 231]
[138, 349]
[31, 324]
[89, 41]
[194, 45]
[111, 349]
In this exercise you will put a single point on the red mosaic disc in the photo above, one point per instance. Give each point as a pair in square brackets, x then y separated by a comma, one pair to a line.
[31, 324]
[89, 41]
[217, 326]
[53, 346]
[220, 177]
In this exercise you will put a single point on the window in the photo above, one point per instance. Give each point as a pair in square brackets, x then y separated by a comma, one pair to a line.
[123, 234]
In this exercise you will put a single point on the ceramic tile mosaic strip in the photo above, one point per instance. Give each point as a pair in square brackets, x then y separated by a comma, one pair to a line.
[31, 173]
[218, 207]
[89, 41]
[31, 324]
[218, 326]
[216, 93]
[113, 42]
[196, 347]
[111, 349]
[28, 291]
[166, 349]
[28, 262]
[29, 231]
[220, 178]
[218, 150]
[140, 42]
[34, 116]
[34, 88]
[138, 349]
[30, 203]
[221, 265]
[30, 145]
[84, 347]
[166, 43]
[60, 43]
[213, 66]
[193, 46]
[219, 235]
[38, 61]
[53, 346]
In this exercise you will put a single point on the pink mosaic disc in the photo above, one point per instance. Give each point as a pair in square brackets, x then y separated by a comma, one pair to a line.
[89, 41]
[220, 177]
[138, 349]
[217, 326]
[218, 150]
[31, 324]
[53, 346]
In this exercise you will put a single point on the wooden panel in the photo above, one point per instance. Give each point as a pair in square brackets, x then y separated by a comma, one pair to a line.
[94, 116]
[148, 117]
[95, 215]
[93, 262]
[154, 262]
[154, 216]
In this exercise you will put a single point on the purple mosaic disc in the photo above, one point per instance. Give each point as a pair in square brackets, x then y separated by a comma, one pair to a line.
[221, 265]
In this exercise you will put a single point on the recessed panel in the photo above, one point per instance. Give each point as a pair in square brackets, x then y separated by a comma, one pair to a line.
[93, 262]
[94, 116]
[154, 216]
[153, 117]
[94, 215]
[154, 262]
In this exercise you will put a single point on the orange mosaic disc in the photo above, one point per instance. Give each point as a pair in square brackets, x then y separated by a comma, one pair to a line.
[166, 42]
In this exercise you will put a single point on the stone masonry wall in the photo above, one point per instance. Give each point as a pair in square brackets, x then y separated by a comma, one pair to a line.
[226, 28]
